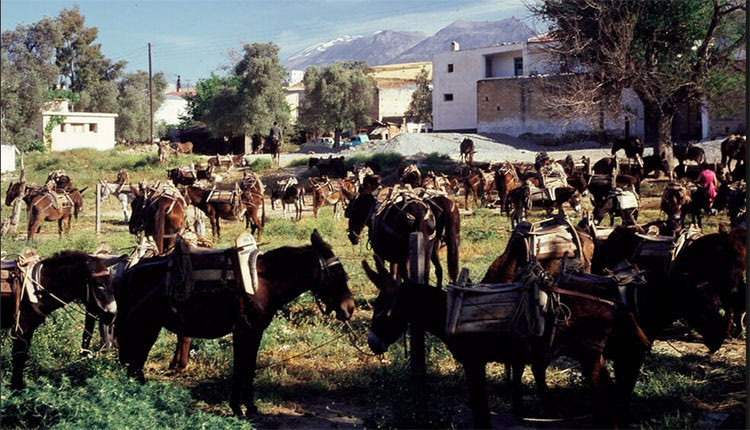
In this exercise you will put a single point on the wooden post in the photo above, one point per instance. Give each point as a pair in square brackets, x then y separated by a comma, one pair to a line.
[98, 206]
[150, 96]
[417, 358]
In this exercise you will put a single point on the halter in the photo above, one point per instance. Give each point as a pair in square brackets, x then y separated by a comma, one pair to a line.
[325, 275]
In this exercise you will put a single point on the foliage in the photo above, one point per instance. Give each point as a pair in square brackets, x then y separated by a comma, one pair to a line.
[64, 94]
[133, 121]
[668, 52]
[420, 106]
[36, 145]
[27, 73]
[260, 164]
[337, 97]
[256, 101]
[79, 59]
[53, 122]
[205, 91]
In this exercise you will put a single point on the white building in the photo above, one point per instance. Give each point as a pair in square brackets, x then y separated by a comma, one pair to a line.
[173, 107]
[78, 129]
[7, 158]
[454, 77]
[293, 77]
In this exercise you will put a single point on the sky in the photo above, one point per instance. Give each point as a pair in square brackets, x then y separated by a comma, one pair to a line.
[193, 38]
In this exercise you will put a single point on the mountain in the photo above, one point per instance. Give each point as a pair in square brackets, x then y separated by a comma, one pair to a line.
[391, 47]
[378, 48]
[469, 35]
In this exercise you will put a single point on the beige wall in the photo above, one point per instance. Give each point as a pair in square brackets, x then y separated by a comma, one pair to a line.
[515, 106]
[82, 130]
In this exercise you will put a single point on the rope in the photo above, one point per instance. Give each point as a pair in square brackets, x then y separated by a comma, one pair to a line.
[302, 353]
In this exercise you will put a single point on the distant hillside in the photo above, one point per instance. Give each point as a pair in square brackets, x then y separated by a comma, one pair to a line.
[391, 47]
[378, 48]
[469, 35]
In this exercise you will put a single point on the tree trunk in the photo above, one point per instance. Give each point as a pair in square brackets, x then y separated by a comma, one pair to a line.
[337, 138]
[658, 132]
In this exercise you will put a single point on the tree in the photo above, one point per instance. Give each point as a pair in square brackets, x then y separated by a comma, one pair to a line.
[133, 121]
[205, 91]
[256, 101]
[28, 72]
[337, 97]
[667, 52]
[87, 71]
[420, 106]
[79, 59]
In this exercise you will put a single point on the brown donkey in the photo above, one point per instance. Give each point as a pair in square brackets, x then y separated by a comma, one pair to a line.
[48, 207]
[160, 213]
[326, 191]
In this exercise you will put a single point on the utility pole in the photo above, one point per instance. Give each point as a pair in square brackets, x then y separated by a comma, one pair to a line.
[150, 94]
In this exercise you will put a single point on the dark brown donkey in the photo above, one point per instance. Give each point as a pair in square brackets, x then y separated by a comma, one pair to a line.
[160, 213]
[591, 315]
[216, 204]
[62, 278]
[467, 151]
[705, 286]
[214, 308]
[506, 180]
[733, 148]
[252, 200]
[390, 223]
[48, 207]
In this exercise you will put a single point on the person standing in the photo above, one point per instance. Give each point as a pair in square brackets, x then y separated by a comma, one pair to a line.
[707, 180]
[275, 138]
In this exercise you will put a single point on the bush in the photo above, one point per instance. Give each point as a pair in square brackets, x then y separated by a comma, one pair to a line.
[260, 164]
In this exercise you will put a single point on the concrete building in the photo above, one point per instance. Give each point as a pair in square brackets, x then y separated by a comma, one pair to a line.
[500, 89]
[7, 158]
[294, 95]
[78, 129]
[293, 77]
[173, 107]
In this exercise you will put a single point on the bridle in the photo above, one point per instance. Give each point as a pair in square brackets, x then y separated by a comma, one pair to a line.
[324, 276]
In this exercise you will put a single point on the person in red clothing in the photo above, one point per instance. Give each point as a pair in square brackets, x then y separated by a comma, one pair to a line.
[707, 180]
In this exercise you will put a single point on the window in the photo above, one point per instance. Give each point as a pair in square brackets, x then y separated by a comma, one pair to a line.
[487, 67]
[448, 97]
[94, 128]
[450, 68]
[63, 127]
[518, 66]
[77, 128]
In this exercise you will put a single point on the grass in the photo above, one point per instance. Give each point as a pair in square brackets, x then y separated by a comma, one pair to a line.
[65, 391]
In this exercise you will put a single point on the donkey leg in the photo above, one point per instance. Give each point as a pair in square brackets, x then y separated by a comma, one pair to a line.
[245, 347]
[603, 389]
[20, 356]
[181, 355]
[626, 369]
[475, 379]
[88, 332]
[435, 256]
[539, 369]
[516, 400]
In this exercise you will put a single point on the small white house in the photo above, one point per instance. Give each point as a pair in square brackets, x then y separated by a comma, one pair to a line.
[7, 158]
[173, 107]
[78, 129]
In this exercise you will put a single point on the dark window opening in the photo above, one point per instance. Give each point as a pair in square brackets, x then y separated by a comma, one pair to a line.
[448, 97]
[487, 67]
[450, 68]
[518, 66]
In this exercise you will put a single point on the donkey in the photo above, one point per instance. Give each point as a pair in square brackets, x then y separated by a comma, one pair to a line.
[391, 222]
[733, 148]
[62, 278]
[215, 308]
[326, 191]
[46, 207]
[467, 151]
[583, 335]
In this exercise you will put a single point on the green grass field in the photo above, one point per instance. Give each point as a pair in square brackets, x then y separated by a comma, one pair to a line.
[332, 384]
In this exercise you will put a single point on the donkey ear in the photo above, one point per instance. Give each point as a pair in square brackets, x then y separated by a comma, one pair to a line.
[316, 240]
[374, 277]
[380, 266]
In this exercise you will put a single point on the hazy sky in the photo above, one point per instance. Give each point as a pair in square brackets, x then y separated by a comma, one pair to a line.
[192, 38]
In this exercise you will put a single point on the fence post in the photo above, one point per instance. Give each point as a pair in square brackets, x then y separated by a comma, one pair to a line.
[417, 358]
[98, 205]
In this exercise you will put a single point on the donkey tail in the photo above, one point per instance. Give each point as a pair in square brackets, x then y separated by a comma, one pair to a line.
[452, 239]
[262, 211]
